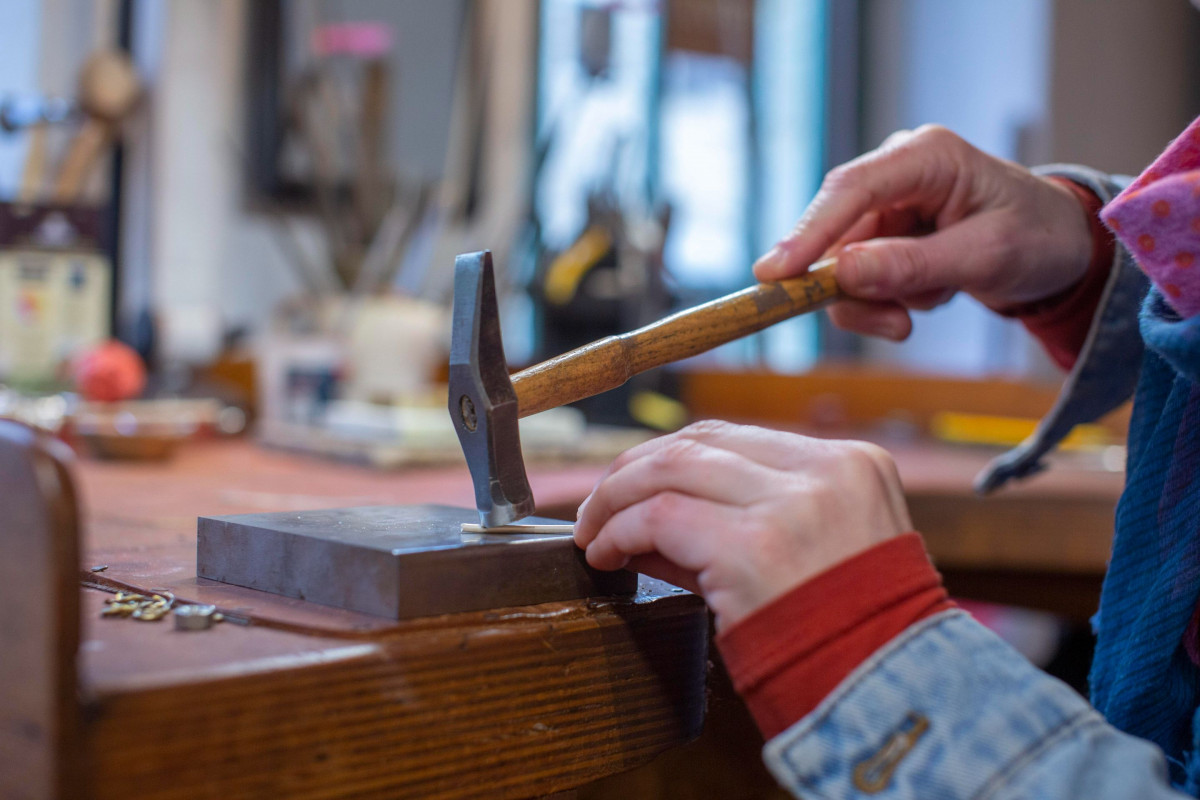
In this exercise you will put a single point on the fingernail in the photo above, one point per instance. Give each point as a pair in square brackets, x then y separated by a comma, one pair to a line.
[771, 264]
[887, 329]
[860, 272]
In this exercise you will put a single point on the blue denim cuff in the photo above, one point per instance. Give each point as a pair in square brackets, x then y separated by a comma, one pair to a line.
[1106, 372]
[945, 710]
[948, 710]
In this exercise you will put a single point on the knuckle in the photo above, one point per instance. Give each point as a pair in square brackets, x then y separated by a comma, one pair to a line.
[760, 527]
[675, 453]
[858, 456]
[825, 498]
[845, 178]
[661, 509]
[623, 460]
[942, 150]
[910, 266]
[876, 454]
[619, 462]
[869, 461]
[599, 504]
[854, 181]
[837, 177]
[1000, 240]
[896, 138]
[936, 135]
[707, 427]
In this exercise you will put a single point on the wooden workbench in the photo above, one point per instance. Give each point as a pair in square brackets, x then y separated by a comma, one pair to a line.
[311, 701]
[304, 701]
[1035, 543]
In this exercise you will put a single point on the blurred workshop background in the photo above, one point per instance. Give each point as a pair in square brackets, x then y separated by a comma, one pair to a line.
[287, 183]
[238, 219]
[292, 179]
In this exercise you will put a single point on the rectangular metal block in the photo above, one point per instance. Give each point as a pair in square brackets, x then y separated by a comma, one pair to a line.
[397, 561]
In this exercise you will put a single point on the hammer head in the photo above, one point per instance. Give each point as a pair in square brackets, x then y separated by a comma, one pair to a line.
[483, 403]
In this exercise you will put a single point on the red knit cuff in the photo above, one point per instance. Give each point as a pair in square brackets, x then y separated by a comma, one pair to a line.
[787, 656]
[1061, 322]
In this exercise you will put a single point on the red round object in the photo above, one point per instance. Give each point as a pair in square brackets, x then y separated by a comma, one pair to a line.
[109, 372]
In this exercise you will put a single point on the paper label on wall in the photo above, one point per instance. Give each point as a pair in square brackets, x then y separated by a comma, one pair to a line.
[51, 305]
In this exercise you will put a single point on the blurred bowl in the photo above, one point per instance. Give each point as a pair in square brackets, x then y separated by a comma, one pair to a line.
[130, 448]
[140, 429]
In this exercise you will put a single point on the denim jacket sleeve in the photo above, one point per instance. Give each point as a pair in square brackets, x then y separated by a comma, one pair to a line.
[948, 710]
[1106, 372]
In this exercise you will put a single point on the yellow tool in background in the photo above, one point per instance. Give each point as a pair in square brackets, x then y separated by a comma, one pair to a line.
[567, 271]
[961, 428]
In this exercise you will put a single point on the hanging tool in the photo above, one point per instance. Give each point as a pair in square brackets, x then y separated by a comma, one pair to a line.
[108, 91]
[33, 116]
[485, 402]
[35, 165]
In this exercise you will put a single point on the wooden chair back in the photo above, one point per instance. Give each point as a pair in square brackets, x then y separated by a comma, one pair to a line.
[40, 718]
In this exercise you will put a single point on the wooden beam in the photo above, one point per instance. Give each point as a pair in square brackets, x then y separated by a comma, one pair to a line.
[857, 397]
[712, 27]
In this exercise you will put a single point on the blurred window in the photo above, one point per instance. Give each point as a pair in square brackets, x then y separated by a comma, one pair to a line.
[705, 167]
[597, 100]
[21, 22]
[982, 70]
[714, 107]
[726, 110]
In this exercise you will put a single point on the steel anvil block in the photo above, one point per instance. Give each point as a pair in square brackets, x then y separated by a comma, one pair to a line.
[397, 561]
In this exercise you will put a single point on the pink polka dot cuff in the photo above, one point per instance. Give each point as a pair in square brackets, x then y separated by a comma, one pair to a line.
[1158, 219]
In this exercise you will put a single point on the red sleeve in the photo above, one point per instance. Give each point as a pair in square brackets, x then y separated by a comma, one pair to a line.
[787, 656]
[1061, 322]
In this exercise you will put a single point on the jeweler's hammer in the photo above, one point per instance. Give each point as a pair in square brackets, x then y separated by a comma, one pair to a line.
[485, 402]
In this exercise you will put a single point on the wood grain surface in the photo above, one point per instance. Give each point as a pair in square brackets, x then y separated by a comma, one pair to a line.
[308, 702]
[515, 704]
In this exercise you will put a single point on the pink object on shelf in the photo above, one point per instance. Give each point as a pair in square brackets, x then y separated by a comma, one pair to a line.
[363, 39]
[109, 372]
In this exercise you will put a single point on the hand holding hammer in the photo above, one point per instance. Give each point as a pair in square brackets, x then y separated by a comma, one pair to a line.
[485, 402]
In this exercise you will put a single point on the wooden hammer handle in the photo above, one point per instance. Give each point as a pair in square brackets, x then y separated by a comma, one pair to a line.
[607, 363]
